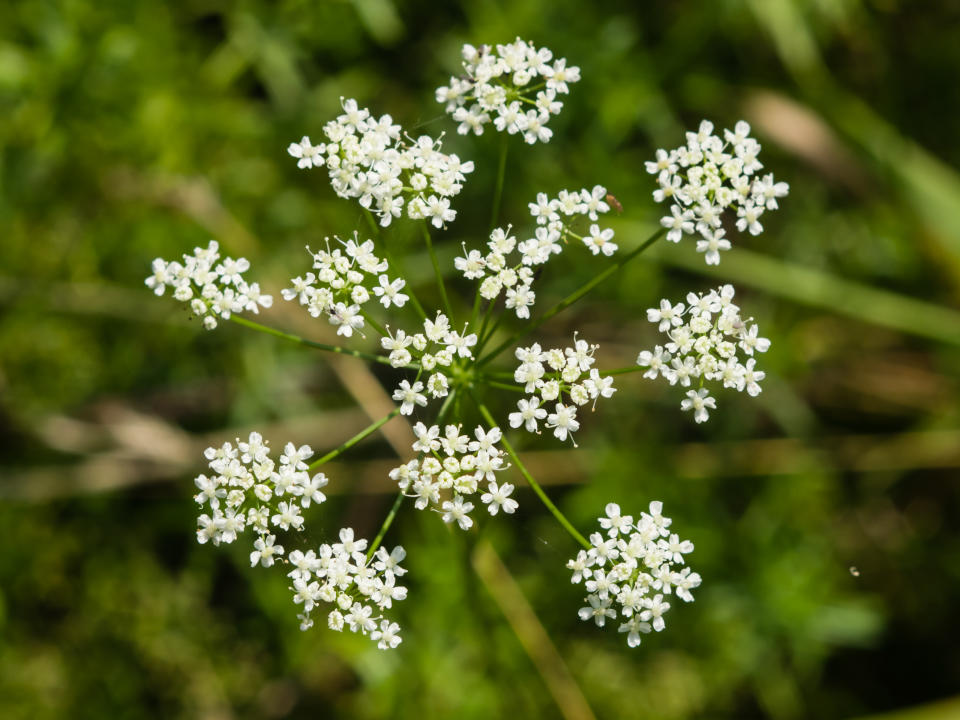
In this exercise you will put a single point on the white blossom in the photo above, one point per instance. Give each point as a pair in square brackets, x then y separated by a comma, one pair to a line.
[248, 490]
[347, 275]
[508, 267]
[213, 290]
[498, 82]
[498, 498]
[448, 460]
[307, 154]
[708, 176]
[703, 339]
[628, 572]
[409, 396]
[385, 170]
[358, 588]
[553, 376]
[435, 350]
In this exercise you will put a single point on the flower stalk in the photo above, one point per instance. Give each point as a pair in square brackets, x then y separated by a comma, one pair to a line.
[554, 510]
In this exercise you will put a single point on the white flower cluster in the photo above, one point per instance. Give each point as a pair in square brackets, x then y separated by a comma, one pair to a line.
[553, 218]
[250, 490]
[453, 463]
[497, 275]
[498, 84]
[634, 566]
[371, 160]
[551, 374]
[213, 289]
[435, 349]
[708, 176]
[342, 575]
[704, 338]
[346, 280]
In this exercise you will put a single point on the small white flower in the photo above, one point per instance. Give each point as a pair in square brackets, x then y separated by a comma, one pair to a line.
[528, 414]
[457, 511]
[634, 627]
[389, 292]
[307, 154]
[264, 551]
[498, 497]
[409, 396]
[699, 401]
[615, 523]
[494, 77]
[598, 610]
[287, 516]
[600, 241]
[563, 421]
[387, 636]
[213, 290]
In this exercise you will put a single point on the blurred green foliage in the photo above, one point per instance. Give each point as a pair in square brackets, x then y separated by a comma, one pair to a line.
[825, 515]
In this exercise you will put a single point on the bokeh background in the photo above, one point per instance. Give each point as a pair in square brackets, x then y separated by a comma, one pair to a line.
[825, 512]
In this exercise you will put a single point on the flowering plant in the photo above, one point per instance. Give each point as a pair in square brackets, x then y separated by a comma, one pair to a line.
[630, 567]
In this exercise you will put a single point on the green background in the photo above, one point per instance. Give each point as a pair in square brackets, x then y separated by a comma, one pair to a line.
[824, 513]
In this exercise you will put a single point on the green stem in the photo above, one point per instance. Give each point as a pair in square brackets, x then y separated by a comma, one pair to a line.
[483, 328]
[388, 520]
[476, 309]
[366, 432]
[374, 226]
[373, 323]
[567, 525]
[624, 371]
[502, 386]
[436, 270]
[571, 298]
[392, 263]
[498, 189]
[491, 332]
[310, 343]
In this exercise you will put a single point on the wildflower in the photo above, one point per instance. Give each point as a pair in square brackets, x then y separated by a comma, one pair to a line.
[495, 83]
[703, 338]
[458, 511]
[244, 490]
[563, 421]
[469, 467]
[374, 162]
[307, 154]
[498, 498]
[387, 636]
[635, 627]
[598, 610]
[409, 396]
[709, 176]
[264, 550]
[346, 278]
[631, 568]
[435, 349]
[498, 273]
[339, 574]
[213, 290]
[389, 291]
[699, 401]
[621, 571]
[555, 375]
[599, 241]
[528, 415]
